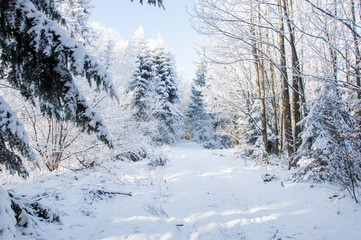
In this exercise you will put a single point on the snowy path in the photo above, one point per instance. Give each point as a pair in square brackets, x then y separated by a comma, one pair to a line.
[200, 194]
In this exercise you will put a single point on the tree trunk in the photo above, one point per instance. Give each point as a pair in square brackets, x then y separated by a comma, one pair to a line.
[260, 87]
[357, 51]
[286, 96]
[274, 107]
[272, 86]
[262, 93]
[259, 67]
[298, 101]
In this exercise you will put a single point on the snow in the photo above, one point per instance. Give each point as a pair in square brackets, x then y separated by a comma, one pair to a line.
[199, 194]
[7, 220]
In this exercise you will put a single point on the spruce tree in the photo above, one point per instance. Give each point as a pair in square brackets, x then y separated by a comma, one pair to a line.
[164, 78]
[155, 91]
[331, 146]
[40, 59]
[142, 77]
[253, 127]
[200, 122]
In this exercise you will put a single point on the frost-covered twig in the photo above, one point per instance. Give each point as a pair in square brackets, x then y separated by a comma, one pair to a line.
[155, 210]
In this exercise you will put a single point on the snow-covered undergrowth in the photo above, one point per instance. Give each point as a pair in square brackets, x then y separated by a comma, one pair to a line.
[199, 194]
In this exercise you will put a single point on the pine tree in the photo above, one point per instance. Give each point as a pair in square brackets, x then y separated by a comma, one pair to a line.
[331, 139]
[140, 83]
[253, 128]
[155, 91]
[165, 81]
[200, 122]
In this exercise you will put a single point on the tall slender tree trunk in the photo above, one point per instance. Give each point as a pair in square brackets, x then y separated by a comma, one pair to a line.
[274, 107]
[356, 40]
[348, 65]
[272, 86]
[259, 67]
[261, 91]
[298, 100]
[286, 95]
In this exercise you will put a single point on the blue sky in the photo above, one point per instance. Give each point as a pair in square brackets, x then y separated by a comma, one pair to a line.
[172, 24]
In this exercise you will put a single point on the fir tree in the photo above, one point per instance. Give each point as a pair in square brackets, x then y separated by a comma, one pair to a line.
[40, 59]
[140, 83]
[155, 91]
[199, 121]
[253, 127]
[166, 86]
[331, 139]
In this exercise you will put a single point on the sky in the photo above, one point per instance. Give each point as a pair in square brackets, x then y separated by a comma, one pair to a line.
[172, 24]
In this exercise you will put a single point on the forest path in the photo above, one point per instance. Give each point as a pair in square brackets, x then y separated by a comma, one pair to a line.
[200, 194]
[210, 194]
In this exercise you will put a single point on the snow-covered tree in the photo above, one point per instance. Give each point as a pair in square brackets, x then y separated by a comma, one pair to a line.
[331, 142]
[252, 128]
[142, 77]
[154, 87]
[13, 137]
[199, 121]
[165, 80]
[7, 216]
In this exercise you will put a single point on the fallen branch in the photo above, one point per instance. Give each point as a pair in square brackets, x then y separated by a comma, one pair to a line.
[102, 192]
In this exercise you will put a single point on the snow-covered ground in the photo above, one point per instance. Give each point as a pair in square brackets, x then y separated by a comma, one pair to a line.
[199, 194]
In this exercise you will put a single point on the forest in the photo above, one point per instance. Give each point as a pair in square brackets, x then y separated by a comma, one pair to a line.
[277, 86]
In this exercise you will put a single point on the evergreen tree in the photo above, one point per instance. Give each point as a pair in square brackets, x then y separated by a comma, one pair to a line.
[165, 81]
[199, 121]
[331, 139]
[253, 128]
[155, 91]
[140, 83]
